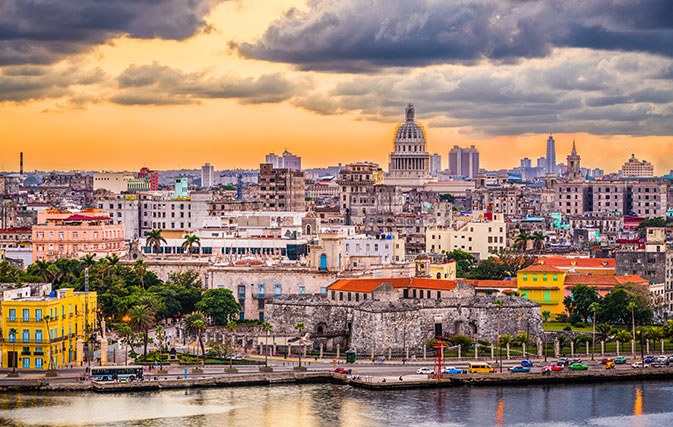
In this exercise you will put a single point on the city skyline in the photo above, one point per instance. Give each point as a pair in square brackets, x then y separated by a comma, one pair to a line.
[178, 87]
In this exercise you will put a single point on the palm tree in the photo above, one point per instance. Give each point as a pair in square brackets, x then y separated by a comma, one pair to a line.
[500, 303]
[191, 240]
[538, 240]
[546, 315]
[113, 260]
[50, 367]
[104, 267]
[12, 335]
[141, 318]
[521, 241]
[632, 306]
[603, 330]
[299, 327]
[140, 268]
[593, 307]
[42, 268]
[89, 260]
[266, 327]
[623, 336]
[195, 323]
[231, 327]
[153, 239]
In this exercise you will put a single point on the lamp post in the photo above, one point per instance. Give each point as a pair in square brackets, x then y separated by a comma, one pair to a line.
[546, 315]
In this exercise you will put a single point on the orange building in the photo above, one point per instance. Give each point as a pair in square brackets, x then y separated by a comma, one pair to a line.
[603, 284]
[75, 234]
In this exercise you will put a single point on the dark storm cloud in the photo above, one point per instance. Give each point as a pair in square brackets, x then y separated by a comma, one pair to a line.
[156, 84]
[591, 93]
[45, 31]
[365, 35]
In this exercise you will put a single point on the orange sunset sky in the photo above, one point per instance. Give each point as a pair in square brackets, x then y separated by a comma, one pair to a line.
[326, 80]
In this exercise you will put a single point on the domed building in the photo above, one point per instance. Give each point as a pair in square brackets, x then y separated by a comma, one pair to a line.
[410, 158]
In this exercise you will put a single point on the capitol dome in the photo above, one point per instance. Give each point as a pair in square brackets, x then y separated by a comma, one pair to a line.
[410, 131]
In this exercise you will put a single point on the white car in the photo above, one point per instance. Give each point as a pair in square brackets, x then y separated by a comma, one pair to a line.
[424, 371]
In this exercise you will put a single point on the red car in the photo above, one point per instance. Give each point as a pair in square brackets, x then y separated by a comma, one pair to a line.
[605, 361]
[557, 368]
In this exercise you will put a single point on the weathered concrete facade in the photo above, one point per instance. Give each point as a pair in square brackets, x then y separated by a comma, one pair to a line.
[387, 321]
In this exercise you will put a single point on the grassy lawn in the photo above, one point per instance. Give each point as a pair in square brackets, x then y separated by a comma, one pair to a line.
[558, 326]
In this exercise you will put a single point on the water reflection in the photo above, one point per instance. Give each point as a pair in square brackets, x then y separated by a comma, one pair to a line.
[334, 405]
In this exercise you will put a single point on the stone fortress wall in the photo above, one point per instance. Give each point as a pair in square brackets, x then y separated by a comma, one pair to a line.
[387, 321]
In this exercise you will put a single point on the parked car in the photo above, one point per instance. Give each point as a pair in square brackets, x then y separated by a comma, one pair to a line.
[649, 358]
[551, 368]
[526, 363]
[578, 366]
[519, 369]
[637, 365]
[621, 360]
[453, 370]
[658, 364]
[663, 359]
[576, 360]
[605, 360]
[562, 361]
[341, 370]
[670, 360]
[425, 371]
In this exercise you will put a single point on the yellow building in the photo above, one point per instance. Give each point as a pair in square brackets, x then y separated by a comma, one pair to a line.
[443, 270]
[25, 340]
[544, 284]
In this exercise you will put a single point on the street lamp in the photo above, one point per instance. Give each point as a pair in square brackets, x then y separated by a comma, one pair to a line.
[593, 307]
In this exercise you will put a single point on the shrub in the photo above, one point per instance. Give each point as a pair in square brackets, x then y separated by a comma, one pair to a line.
[561, 317]
[578, 325]
[567, 328]
[484, 342]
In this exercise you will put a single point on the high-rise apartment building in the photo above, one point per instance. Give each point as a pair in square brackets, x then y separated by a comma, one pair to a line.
[207, 172]
[464, 161]
[435, 164]
[526, 163]
[281, 189]
[287, 160]
[550, 166]
[151, 176]
[635, 168]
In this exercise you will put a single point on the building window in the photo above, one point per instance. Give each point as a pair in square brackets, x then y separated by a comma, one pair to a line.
[26, 315]
[544, 277]
[241, 291]
[555, 277]
[38, 315]
[534, 277]
[38, 336]
[12, 315]
[547, 296]
[260, 291]
[323, 290]
[26, 362]
[302, 290]
[277, 290]
[38, 363]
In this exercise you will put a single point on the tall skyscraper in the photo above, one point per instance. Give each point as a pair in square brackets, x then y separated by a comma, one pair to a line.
[551, 155]
[525, 163]
[207, 175]
[287, 160]
[435, 164]
[464, 161]
[542, 164]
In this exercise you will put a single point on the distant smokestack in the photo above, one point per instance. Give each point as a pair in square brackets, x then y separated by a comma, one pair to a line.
[21, 170]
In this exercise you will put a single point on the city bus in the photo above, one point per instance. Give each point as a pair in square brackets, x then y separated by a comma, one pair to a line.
[112, 373]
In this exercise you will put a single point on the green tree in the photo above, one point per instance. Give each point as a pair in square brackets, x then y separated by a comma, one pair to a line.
[546, 316]
[42, 269]
[191, 240]
[196, 324]
[538, 241]
[521, 241]
[127, 337]
[489, 269]
[464, 261]
[220, 305]
[463, 341]
[623, 336]
[521, 339]
[581, 339]
[153, 239]
[89, 260]
[579, 304]
[142, 317]
[603, 331]
[140, 268]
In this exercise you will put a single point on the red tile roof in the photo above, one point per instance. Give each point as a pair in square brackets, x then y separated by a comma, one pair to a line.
[368, 285]
[605, 281]
[560, 261]
[492, 283]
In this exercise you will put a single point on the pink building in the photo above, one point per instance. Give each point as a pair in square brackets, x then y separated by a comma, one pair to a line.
[75, 234]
